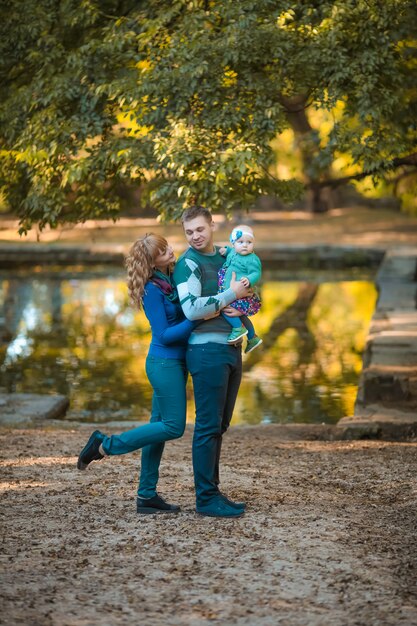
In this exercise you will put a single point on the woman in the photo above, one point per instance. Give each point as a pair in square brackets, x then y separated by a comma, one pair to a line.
[149, 265]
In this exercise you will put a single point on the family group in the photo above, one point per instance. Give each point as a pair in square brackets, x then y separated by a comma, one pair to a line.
[198, 308]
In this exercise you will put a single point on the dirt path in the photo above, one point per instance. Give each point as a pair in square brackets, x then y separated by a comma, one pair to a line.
[329, 536]
[353, 226]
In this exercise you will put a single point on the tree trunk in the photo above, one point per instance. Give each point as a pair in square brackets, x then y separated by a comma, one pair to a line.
[307, 141]
[295, 316]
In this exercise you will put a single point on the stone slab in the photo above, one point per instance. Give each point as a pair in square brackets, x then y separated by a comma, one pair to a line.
[398, 265]
[285, 255]
[18, 409]
[397, 296]
[23, 255]
[377, 422]
[402, 352]
[382, 414]
[398, 320]
[386, 404]
[390, 390]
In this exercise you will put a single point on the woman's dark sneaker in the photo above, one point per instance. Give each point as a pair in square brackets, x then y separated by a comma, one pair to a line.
[155, 505]
[90, 452]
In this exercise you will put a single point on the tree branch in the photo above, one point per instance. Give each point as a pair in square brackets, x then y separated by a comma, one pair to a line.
[410, 159]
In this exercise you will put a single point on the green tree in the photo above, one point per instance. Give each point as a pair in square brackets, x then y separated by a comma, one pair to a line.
[185, 97]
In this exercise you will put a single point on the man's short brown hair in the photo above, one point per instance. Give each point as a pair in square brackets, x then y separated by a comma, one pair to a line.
[196, 211]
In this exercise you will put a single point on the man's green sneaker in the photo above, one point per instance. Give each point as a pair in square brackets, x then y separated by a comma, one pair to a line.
[217, 507]
[252, 344]
[237, 334]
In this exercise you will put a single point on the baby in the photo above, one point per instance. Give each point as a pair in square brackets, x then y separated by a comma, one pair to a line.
[240, 258]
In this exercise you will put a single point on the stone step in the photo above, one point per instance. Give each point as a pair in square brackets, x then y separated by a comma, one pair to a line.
[403, 320]
[388, 387]
[376, 422]
[388, 381]
[397, 296]
[398, 265]
[392, 347]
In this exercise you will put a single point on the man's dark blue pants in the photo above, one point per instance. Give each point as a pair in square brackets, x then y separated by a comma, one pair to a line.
[216, 370]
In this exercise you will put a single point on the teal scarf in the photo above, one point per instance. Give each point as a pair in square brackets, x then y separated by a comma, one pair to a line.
[165, 284]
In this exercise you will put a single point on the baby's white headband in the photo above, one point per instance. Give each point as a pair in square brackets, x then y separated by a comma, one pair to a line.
[237, 234]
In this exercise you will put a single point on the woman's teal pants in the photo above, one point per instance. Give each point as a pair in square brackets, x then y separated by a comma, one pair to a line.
[168, 378]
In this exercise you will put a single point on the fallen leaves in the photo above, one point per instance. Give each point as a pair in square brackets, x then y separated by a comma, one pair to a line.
[329, 527]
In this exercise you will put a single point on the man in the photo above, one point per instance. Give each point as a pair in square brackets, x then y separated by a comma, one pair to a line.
[214, 364]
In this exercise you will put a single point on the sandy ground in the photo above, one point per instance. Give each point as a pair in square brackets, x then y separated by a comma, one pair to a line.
[330, 533]
[329, 536]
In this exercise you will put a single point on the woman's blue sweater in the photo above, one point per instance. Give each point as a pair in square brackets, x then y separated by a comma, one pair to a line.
[170, 328]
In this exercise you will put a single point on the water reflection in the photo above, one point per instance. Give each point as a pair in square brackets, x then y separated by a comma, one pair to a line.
[74, 333]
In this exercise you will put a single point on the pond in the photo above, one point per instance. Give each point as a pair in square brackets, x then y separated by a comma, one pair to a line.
[73, 332]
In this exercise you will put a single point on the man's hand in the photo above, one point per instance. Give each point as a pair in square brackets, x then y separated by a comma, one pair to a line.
[239, 288]
[231, 312]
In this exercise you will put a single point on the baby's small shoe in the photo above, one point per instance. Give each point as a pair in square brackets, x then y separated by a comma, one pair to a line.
[252, 344]
[237, 334]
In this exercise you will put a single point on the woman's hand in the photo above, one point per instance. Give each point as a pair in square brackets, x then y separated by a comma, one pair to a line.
[209, 317]
[239, 288]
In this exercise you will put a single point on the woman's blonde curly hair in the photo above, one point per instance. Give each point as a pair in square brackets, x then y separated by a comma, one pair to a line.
[140, 264]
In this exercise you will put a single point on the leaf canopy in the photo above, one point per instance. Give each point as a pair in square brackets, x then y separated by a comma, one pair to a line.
[185, 97]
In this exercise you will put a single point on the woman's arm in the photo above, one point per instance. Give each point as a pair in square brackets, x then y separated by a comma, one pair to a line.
[153, 305]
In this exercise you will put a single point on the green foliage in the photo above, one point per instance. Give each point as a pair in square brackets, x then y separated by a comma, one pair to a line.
[185, 97]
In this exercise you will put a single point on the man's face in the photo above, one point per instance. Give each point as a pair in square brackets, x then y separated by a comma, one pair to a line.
[199, 234]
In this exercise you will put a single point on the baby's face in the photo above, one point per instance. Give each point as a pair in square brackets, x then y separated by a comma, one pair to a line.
[244, 245]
